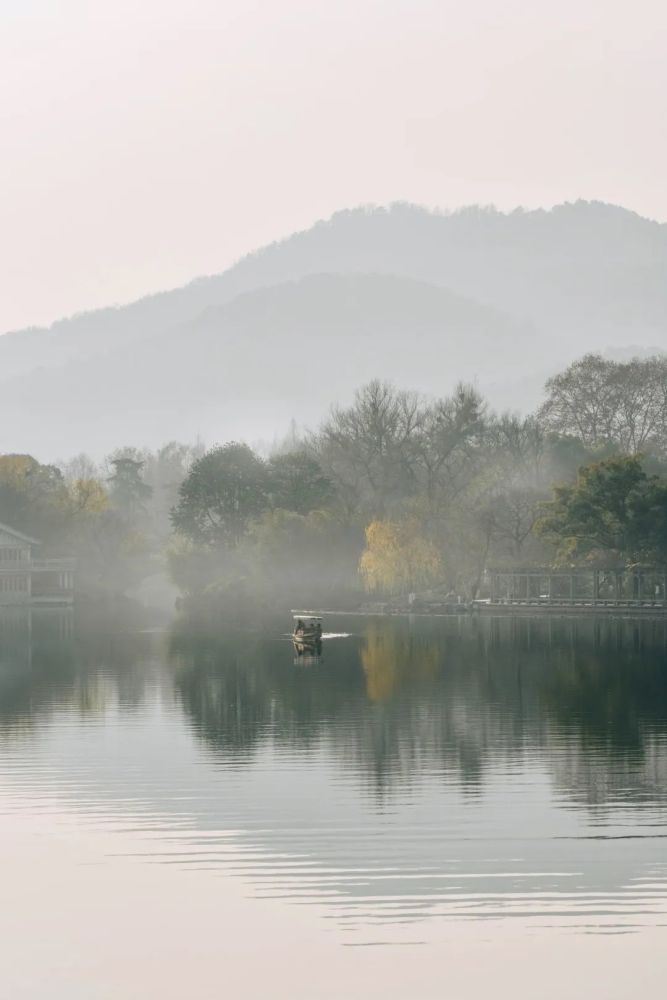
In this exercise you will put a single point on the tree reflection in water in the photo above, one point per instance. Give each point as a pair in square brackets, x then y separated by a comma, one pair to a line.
[52, 659]
[455, 694]
[418, 760]
[394, 700]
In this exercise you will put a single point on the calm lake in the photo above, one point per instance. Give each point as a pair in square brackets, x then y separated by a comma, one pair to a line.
[445, 807]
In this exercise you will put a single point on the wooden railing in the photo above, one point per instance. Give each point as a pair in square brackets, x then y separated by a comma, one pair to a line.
[62, 565]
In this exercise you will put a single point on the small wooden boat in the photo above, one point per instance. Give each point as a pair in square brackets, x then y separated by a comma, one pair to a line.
[307, 629]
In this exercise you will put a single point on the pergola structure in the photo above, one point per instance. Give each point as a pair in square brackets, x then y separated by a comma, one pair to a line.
[639, 586]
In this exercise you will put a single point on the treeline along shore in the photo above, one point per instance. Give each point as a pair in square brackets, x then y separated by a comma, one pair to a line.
[395, 498]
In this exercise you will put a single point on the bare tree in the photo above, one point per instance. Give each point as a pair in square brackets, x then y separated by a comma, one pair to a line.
[451, 433]
[370, 450]
[610, 403]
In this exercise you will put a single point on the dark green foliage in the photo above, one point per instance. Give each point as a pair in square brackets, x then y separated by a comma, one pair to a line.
[224, 490]
[297, 483]
[614, 508]
[128, 492]
[12, 508]
[567, 453]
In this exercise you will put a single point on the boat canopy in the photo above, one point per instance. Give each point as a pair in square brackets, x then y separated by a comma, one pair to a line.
[306, 617]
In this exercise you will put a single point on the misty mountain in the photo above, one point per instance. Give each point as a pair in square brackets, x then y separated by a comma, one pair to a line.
[423, 298]
[248, 367]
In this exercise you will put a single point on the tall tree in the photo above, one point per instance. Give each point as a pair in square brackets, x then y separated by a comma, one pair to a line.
[614, 508]
[297, 483]
[369, 449]
[399, 557]
[225, 489]
[603, 402]
[450, 432]
[127, 489]
[32, 496]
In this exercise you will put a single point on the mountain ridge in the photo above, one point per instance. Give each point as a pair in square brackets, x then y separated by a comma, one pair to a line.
[480, 227]
[267, 356]
[421, 298]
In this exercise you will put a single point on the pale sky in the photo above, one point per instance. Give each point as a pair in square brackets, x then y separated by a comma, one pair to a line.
[146, 142]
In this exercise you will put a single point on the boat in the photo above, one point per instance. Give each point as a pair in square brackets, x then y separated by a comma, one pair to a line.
[307, 629]
[307, 638]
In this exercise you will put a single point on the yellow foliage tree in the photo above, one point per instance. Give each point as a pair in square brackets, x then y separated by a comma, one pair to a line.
[31, 494]
[15, 470]
[87, 496]
[398, 557]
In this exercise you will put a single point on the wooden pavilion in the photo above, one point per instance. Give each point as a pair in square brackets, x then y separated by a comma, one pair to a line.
[640, 586]
[27, 579]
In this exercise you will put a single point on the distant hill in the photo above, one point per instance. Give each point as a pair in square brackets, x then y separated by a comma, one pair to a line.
[419, 297]
[247, 367]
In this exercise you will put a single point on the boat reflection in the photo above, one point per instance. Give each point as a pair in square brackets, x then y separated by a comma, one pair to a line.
[307, 652]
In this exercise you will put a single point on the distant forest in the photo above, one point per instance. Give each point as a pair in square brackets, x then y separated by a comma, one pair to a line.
[395, 493]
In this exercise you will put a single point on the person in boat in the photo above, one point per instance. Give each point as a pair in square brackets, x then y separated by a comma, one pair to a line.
[299, 630]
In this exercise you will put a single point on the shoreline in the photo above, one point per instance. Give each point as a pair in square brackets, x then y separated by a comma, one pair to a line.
[517, 610]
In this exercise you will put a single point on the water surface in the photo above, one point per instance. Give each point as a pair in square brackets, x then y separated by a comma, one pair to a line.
[425, 779]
